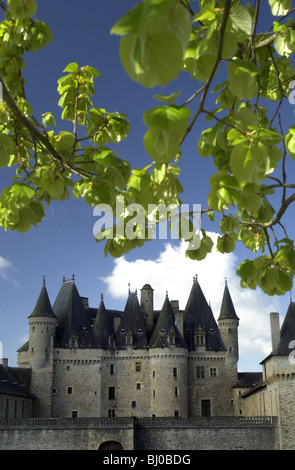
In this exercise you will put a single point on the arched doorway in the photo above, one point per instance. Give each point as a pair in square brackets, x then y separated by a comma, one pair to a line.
[110, 445]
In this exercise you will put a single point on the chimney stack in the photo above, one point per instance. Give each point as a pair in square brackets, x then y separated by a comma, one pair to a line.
[4, 361]
[275, 329]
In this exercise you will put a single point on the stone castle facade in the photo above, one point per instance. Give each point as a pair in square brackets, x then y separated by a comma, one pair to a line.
[143, 365]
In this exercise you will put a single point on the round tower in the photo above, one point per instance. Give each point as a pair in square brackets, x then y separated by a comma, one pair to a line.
[147, 305]
[42, 322]
[228, 323]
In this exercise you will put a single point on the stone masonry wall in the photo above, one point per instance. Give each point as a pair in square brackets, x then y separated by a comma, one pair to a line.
[142, 434]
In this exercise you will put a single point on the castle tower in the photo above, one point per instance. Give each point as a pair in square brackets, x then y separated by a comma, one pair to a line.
[42, 322]
[147, 305]
[168, 353]
[228, 322]
[199, 325]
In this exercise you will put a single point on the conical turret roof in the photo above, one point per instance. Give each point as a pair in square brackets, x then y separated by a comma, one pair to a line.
[132, 325]
[166, 327]
[43, 306]
[198, 316]
[227, 310]
[102, 327]
[73, 320]
[287, 334]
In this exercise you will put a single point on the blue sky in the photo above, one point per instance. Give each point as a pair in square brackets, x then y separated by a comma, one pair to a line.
[64, 244]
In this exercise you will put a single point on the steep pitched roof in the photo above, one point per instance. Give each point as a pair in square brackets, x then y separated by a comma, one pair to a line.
[15, 381]
[73, 320]
[287, 334]
[165, 327]
[227, 310]
[102, 327]
[132, 325]
[198, 316]
[43, 306]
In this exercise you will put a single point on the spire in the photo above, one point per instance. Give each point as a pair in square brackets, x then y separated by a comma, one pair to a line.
[132, 325]
[199, 316]
[227, 310]
[43, 306]
[287, 333]
[166, 328]
[102, 327]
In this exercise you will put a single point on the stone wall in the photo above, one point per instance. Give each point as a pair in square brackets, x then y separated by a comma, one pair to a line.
[227, 433]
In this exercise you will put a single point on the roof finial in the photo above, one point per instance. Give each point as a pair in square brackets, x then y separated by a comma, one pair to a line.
[101, 296]
[64, 279]
[128, 287]
[43, 280]
[225, 279]
[73, 277]
[166, 294]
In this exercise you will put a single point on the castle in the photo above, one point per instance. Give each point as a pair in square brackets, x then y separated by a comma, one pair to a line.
[119, 374]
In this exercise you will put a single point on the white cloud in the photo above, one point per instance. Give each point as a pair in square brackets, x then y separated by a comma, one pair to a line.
[5, 266]
[173, 272]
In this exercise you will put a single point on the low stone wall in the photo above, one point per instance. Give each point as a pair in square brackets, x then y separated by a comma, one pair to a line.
[65, 433]
[216, 433]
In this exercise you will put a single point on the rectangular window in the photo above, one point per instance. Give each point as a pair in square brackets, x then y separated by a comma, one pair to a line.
[200, 372]
[74, 414]
[176, 391]
[112, 395]
[111, 413]
[70, 390]
[213, 372]
[138, 366]
[206, 408]
[174, 371]
[138, 386]
[112, 369]
[133, 404]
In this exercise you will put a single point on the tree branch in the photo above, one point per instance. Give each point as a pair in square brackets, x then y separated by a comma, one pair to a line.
[226, 12]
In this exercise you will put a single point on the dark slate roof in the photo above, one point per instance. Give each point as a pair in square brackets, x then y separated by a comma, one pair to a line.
[287, 334]
[103, 327]
[147, 287]
[132, 323]
[43, 306]
[198, 316]
[227, 310]
[15, 381]
[248, 379]
[165, 327]
[73, 320]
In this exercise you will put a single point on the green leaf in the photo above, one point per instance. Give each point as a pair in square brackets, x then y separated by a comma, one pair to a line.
[158, 34]
[290, 141]
[205, 247]
[252, 164]
[242, 77]
[72, 68]
[6, 148]
[167, 125]
[168, 99]
[279, 7]
[21, 9]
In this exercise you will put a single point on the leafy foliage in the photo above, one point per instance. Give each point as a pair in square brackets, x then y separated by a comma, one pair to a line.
[206, 39]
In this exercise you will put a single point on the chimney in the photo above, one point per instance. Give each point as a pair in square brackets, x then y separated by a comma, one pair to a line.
[274, 329]
[4, 362]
